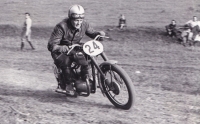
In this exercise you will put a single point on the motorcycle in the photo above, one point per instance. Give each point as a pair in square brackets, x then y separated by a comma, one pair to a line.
[109, 77]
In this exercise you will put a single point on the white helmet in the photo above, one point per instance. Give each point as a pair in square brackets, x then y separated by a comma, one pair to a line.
[76, 12]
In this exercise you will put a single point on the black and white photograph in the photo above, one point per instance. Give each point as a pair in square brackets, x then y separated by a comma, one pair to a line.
[100, 62]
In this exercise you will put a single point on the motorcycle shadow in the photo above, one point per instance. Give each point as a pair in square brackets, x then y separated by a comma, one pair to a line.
[50, 96]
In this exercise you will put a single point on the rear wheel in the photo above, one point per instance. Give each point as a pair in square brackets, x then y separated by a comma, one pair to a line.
[118, 87]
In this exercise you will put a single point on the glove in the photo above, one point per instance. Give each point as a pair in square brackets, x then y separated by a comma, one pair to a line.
[101, 33]
[61, 49]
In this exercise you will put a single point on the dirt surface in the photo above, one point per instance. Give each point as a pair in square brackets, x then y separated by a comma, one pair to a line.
[27, 90]
[165, 74]
[34, 101]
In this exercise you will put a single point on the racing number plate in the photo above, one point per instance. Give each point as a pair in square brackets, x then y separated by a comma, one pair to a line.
[93, 48]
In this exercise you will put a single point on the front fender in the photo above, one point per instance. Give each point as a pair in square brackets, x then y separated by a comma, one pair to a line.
[108, 62]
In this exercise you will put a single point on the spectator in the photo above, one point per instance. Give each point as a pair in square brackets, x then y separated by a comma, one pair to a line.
[196, 39]
[26, 31]
[122, 21]
[171, 29]
[192, 30]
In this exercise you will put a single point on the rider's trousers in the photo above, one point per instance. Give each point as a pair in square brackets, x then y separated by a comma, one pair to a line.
[64, 62]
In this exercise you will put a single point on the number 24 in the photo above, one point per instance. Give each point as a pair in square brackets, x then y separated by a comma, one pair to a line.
[94, 45]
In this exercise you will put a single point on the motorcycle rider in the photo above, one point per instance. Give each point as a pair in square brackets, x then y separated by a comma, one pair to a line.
[66, 33]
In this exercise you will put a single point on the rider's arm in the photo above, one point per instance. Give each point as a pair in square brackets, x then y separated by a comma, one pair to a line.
[54, 41]
[90, 32]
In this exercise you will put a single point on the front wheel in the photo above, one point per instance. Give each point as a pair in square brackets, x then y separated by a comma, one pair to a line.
[118, 88]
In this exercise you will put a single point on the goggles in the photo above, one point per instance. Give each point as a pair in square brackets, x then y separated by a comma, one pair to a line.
[77, 16]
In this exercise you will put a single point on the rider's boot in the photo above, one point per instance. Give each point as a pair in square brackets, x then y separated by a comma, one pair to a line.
[68, 81]
[66, 85]
[70, 89]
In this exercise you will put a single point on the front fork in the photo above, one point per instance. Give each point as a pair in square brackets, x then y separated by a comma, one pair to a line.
[97, 66]
[101, 75]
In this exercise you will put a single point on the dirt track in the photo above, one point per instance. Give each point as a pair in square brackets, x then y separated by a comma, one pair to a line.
[38, 104]
[27, 86]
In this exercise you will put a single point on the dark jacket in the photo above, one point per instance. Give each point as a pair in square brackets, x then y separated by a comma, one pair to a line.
[65, 34]
[171, 26]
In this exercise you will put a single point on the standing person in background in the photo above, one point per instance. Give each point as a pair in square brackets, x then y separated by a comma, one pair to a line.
[26, 31]
[122, 21]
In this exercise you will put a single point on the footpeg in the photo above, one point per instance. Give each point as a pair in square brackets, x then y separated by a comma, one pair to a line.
[60, 91]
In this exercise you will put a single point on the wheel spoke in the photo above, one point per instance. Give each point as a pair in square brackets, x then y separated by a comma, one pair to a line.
[123, 97]
[118, 86]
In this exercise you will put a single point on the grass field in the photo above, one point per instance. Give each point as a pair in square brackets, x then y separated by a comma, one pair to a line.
[168, 86]
[100, 13]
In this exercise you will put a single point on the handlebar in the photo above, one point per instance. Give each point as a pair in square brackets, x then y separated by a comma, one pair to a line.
[72, 47]
[99, 36]
[75, 45]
